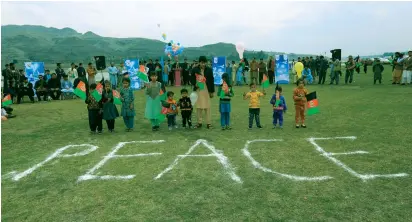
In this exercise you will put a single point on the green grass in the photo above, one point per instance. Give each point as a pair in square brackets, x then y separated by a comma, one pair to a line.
[198, 189]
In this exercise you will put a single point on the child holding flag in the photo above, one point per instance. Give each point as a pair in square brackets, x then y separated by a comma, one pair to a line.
[254, 105]
[225, 92]
[94, 108]
[155, 94]
[127, 99]
[110, 112]
[172, 110]
[279, 107]
[299, 96]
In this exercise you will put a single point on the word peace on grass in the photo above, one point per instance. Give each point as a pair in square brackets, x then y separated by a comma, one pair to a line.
[92, 173]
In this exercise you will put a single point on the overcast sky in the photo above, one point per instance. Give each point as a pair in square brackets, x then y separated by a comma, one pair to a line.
[301, 27]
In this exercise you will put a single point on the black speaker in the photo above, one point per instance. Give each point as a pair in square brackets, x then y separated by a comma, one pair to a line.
[336, 54]
[100, 62]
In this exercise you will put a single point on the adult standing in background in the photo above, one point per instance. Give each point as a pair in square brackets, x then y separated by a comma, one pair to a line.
[72, 73]
[177, 73]
[313, 67]
[323, 67]
[91, 72]
[81, 72]
[120, 73]
[407, 69]
[234, 71]
[254, 71]
[185, 70]
[397, 72]
[337, 66]
[6, 75]
[271, 69]
[262, 70]
[350, 69]
[229, 72]
[60, 72]
[151, 66]
[204, 95]
[113, 72]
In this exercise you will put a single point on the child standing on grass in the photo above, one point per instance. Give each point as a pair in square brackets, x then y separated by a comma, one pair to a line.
[153, 102]
[127, 97]
[186, 108]
[225, 92]
[172, 111]
[254, 105]
[95, 111]
[279, 107]
[299, 96]
[110, 112]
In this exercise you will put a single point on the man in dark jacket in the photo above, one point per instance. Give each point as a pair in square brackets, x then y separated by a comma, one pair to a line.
[41, 88]
[25, 89]
[60, 72]
[81, 71]
[203, 75]
[54, 87]
[323, 67]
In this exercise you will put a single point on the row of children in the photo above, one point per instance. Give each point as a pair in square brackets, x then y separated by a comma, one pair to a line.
[160, 105]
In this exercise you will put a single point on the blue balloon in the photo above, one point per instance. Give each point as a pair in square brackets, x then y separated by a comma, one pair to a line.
[178, 44]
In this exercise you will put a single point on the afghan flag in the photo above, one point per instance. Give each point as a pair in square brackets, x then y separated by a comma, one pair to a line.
[265, 82]
[116, 98]
[201, 81]
[6, 100]
[162, 95]
[225, 90]
[97, 94]
[80, 90]
[312, 103]
[143, 76]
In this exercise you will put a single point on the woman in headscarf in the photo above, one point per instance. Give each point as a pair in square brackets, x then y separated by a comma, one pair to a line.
[203, 75]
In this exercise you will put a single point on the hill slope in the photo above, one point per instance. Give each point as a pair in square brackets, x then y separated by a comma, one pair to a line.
[39, 43]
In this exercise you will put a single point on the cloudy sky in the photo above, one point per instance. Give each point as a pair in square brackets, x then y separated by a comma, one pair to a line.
[302, 27]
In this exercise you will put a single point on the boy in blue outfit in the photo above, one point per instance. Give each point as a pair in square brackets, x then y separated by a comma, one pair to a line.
[279, 107]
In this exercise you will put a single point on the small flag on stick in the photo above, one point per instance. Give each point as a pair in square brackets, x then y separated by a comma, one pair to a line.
[97, 94]
[201, 80]
[80, 90]
[265, 82]
[6, 100]
[143, 76]
[312, 103]
[116, 98]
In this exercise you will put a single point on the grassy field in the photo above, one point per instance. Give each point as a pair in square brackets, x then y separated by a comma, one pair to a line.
[199, 188]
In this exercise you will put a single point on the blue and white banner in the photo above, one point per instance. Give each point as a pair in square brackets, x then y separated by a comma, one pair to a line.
[33, 70]
[132, 67]
[282, 69]
[219, 67]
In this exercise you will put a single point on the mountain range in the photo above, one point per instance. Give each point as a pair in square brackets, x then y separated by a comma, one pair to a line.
[51, 45]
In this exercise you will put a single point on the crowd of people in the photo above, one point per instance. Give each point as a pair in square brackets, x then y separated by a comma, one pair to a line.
[61, 84]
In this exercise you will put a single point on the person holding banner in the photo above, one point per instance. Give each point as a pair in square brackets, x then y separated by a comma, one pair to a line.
[204, 84]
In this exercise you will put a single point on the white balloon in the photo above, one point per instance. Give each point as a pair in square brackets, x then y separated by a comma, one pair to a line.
[240, 48]
[193, 98]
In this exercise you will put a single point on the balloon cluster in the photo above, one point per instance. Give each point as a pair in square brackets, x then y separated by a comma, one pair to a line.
[173, 49]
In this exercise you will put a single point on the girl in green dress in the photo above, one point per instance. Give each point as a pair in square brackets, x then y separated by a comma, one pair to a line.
[154, 94]
[127, 111]
[109, 108]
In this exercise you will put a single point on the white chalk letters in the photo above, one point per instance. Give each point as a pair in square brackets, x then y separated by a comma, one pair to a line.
[221, 158]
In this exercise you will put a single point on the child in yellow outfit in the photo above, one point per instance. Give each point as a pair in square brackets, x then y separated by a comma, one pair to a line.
[254, 105]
